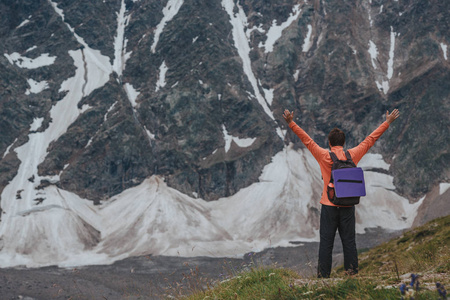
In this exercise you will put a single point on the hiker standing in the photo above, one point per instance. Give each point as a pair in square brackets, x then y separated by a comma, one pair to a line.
[335, 217]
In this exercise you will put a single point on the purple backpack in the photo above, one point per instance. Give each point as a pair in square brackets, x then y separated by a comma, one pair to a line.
[347, 181]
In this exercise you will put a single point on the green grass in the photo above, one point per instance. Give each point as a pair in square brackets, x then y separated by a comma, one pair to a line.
[424, 250]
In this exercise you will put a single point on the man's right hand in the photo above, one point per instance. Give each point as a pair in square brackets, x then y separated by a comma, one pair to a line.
[288, 116]
[391, 117]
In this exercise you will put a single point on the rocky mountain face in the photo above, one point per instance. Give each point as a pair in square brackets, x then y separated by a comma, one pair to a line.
[193, 90]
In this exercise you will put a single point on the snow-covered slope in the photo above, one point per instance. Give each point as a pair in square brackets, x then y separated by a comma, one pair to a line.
[153, 218]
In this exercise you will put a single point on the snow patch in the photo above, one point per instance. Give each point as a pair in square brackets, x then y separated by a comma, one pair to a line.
[268, 94]
[53, 232]
[98, 66]
[8, 148]
[162, 76]
[242, 143]
[373, 53]
[24, 23]
[120, 43]
[149, 134]
[109, 110]
[131, 93]
[296, 73]
[443, 187]
[384, 84]
[30, 63]
[84, 108]
[373, 160]
[391, 55]
[444, 50]
[275, 31]
[36, 86]
[307, 43]
[169, 12]
[31, 48]
[37, 123]
[241, 42]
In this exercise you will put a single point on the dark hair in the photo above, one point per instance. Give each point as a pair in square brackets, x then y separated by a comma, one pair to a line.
[336, 137]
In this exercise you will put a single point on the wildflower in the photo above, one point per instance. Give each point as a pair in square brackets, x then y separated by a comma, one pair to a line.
[441, 290]
[406, 291]
[415, 281]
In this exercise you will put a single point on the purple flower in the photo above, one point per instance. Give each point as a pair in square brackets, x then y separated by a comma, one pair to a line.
[415, 281]
[402, 288]
[441, 290]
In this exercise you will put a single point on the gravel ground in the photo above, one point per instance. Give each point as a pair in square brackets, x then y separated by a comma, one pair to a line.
[154, 277]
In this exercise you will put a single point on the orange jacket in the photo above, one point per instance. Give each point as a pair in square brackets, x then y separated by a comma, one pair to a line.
[323, 157]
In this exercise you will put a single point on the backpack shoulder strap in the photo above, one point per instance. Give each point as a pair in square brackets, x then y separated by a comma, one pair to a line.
[333, 156]
[347, 154]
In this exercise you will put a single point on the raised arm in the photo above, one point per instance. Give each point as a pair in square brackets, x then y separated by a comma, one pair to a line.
[359, 151]
[312, 146]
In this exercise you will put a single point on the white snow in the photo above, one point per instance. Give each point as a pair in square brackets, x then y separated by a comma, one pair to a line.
[443, 187]
[239, 23]
[23, 23]
[131, 93]
[170, 11]
[162, 76]
[268, 94]
[373, 53]
[120, 43]
[444, 50]
[105, 117]
[275, 31]
[30, 63]
[36, 86]
[307, 43]
[277, 209]
[37, 122]
[370, 15]
[98, 65]
[382, 207]
[9, 147]
[383, 85]
[36, 234]
[297, 72]
[373, 160]
[31, 48]
[84, 108]
[391, 55]
[149, 134]
[51, 227]
[242, 143]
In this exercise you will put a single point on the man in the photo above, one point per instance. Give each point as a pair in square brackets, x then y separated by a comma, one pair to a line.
[334, 217]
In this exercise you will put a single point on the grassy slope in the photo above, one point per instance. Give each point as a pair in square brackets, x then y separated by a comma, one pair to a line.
[424, 250]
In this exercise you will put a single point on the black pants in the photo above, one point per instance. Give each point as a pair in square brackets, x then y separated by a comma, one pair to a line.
[334, 218]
